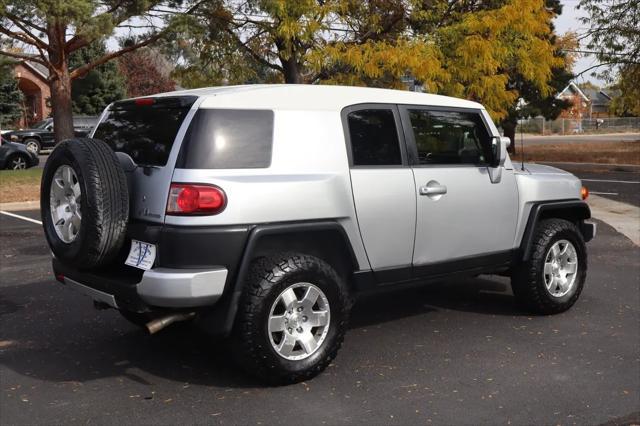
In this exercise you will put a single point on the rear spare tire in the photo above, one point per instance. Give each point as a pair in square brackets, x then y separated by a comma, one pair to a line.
[84, 202]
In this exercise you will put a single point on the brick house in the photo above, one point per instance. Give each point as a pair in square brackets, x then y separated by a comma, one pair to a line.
[32, 81]
[587, 103]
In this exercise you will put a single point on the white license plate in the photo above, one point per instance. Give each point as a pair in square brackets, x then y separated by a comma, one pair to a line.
[142, 255]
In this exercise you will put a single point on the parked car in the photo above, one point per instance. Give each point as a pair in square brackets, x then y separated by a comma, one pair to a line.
[40, 136]
[15, 156]
[262, 212]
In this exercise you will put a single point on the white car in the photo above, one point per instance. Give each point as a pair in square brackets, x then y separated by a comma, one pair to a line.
[261, 212]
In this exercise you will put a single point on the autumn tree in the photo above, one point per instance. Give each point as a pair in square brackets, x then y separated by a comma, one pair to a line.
[49, 31]
[468, 49]
[144, 73]
[613, 37]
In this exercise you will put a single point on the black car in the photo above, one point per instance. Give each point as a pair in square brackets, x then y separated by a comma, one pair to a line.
[15, 156]
[40, 136]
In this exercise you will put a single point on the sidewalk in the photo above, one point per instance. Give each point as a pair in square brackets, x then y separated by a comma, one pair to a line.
[623, 217]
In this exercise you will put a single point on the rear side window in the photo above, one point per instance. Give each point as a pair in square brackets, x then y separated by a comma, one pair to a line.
[450, 137]
[374, 138]
[145, 132]
[228, 139]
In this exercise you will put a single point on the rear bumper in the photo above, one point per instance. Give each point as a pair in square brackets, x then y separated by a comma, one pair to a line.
[159, 287]
[181, 288]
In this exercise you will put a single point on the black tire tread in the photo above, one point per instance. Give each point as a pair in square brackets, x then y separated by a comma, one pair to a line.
[105, 208]
[525, 285]
[264, 273]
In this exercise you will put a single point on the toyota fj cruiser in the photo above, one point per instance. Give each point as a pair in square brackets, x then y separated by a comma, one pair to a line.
[261, 212]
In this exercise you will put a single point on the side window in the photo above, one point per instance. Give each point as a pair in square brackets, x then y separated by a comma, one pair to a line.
[374, 138]
[228, 139]
[450, 137]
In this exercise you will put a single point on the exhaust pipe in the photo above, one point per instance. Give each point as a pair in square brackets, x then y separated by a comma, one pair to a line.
[160, 323]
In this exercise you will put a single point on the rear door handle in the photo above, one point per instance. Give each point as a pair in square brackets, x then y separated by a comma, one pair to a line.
[433, 189]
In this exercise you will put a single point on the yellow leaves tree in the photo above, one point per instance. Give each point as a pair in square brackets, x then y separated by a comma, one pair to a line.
[485, 51]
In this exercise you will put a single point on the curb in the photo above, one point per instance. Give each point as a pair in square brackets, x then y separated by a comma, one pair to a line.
[21, 205]
[623, 217]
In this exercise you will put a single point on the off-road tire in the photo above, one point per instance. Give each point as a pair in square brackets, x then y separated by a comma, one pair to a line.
[527, 281]
[104, 202]
[266, 279]
[34, 142]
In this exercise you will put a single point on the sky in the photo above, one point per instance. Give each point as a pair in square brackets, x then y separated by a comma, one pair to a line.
[569, 21]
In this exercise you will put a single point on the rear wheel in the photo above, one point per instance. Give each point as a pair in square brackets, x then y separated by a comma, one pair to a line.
[552, 279]
[292, 318]
[17, 162]
[32, 145]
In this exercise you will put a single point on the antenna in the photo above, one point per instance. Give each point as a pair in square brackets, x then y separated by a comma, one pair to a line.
[521, 147]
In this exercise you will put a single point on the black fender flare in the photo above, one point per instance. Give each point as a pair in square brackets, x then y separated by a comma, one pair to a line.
[223, 317]
[574, 210]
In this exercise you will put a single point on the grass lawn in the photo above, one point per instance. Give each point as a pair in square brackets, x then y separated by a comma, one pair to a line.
[583, 152]
[20, 185]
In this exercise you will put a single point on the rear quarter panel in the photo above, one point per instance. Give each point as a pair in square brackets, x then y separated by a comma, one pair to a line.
[308, 179]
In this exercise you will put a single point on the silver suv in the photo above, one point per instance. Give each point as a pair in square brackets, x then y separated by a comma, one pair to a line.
[260, 213]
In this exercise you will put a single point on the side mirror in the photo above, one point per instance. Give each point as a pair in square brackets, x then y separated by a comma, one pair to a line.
[499, 146]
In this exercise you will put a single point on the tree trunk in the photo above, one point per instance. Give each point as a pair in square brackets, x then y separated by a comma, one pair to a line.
[509, 128]
[60, 82]
[291, 70]
[62, 106]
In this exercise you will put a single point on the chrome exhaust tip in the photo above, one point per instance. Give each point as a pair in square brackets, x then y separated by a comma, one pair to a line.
[160, 323]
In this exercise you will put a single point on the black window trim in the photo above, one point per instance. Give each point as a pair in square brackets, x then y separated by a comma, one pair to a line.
[412, 148]
[344, 114]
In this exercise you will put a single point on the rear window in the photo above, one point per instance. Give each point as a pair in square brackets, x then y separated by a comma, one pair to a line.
[144, 130]
[228, 139]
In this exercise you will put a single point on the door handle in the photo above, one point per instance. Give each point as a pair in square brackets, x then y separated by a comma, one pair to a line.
[433, 189]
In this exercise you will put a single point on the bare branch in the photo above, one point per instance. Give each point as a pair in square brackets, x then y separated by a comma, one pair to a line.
[26, 22]
[81, 71]
[26, 37]
[25, 57]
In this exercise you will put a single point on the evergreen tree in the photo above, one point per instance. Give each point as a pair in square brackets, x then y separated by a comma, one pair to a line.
[11, 97]
[100, 86]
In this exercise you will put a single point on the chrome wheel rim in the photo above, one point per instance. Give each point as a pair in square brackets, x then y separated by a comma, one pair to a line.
[299, 321]
[560, 268]
[64, 195]
[32, 146]
[19, 163]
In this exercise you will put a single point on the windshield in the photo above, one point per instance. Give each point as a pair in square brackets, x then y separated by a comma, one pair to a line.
[41, 124]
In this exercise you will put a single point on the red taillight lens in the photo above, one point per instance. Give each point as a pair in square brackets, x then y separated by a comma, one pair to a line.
[195, 199]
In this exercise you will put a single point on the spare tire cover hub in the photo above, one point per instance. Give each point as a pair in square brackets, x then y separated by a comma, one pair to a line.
[65, 206]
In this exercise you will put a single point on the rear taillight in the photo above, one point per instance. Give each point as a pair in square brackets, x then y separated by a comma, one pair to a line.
[187, 199]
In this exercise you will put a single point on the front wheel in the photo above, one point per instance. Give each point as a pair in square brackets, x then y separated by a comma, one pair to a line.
[292, 318]
[552, 279]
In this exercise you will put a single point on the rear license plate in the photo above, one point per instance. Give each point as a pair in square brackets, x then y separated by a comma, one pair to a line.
[141, 255]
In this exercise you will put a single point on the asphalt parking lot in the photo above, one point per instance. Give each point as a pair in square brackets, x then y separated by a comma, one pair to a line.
[458, 352]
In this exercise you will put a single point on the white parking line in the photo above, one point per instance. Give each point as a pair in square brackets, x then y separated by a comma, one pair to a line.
[17, 216]
[603, 193]
[610, 181]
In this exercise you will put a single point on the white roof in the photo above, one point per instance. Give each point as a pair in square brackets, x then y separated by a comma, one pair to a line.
[312, 97]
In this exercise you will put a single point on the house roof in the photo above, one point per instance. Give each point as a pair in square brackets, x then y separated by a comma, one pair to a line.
[572, 87]
[313, 97]
[37, 68]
